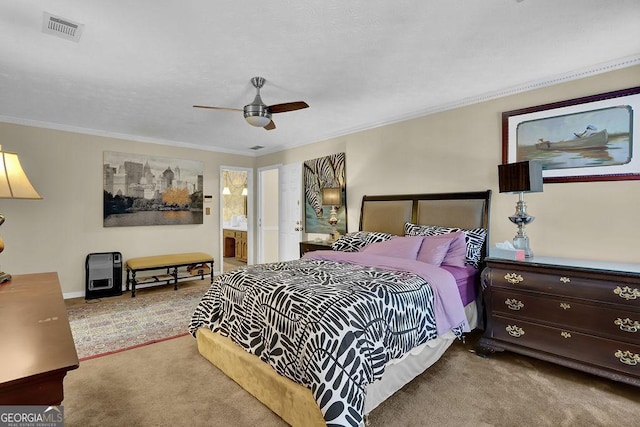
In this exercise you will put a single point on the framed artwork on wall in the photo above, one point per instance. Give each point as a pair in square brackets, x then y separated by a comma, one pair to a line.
[583, 139]
[319, 174]
[151, 190]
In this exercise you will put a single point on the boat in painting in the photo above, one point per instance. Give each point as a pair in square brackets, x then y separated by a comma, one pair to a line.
[593, 140]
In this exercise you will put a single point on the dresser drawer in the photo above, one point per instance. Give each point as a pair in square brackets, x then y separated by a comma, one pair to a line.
[627, 294]
[610, 354]
[600, 320]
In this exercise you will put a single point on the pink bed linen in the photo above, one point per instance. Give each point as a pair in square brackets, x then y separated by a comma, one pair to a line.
[448, 307]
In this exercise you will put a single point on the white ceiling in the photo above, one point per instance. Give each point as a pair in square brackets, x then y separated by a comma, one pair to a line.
[140, 65]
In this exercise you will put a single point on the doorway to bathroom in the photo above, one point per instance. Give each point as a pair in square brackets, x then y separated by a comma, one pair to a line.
[235, 221]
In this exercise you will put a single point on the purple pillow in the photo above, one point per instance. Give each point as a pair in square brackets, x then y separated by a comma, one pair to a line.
[457, 254]
[397, 247]
[434, 249]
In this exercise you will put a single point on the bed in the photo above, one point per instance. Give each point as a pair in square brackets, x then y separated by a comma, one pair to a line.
[357, 323]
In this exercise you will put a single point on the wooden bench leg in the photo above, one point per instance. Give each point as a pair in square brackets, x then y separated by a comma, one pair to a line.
[133, 284]
[211, 271]
[175, 279]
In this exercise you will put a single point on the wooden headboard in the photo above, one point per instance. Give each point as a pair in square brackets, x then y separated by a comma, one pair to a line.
[389, 213]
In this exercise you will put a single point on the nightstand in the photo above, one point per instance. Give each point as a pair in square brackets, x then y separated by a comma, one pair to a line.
[310, 246]
[580, 314]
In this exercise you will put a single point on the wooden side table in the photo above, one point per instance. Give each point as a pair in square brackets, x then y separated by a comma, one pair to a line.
[37, 344]
[581, 314]
[311, 245]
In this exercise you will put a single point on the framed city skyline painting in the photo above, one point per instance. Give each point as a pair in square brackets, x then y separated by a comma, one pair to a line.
[151, 190]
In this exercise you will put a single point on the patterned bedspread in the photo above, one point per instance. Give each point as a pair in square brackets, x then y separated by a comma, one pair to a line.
[330, 326]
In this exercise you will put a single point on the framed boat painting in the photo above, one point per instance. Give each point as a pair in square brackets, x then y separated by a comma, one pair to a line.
[582, 139]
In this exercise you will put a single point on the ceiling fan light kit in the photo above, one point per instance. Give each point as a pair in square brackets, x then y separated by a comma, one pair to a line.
[258, 113]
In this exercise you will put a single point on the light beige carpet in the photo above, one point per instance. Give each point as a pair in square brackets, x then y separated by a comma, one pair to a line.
[170, 384]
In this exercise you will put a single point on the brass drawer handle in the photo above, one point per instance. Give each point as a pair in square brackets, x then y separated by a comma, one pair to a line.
[513, 304]
[627, 325]
[628, 358]
[564, 279]
[565, 334]
[627, 293]
[515, 331]
[565, 306]
[513, 278]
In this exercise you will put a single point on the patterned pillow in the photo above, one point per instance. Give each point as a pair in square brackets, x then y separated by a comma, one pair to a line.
[474, 238]
[354, 242]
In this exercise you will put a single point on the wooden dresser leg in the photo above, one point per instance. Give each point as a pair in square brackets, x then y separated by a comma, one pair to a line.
[486, 348]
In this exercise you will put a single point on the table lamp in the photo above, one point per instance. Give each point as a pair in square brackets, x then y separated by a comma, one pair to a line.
[521, 177]
[14, 184]
[332, 196]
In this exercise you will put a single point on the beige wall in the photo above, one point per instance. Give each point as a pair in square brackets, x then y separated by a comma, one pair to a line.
[456, 150]
[459, 150]
[57, 233]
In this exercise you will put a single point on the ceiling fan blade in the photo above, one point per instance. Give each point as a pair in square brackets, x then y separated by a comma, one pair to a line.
[270, 126]
[217, 108]
[288, 106]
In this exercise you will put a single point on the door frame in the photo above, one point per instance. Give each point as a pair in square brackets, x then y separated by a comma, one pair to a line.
[250, 213]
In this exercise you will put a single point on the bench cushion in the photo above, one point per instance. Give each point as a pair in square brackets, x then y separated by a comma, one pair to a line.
[160, 261]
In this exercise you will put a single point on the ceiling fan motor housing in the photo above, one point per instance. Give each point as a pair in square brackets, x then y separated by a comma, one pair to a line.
[257, 113]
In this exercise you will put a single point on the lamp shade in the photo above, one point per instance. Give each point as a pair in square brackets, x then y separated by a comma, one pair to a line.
[14, 183]
[332, 196]
[226, 191]
[520, 177]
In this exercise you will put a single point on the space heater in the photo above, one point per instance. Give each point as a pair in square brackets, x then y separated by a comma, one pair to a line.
[103, 275]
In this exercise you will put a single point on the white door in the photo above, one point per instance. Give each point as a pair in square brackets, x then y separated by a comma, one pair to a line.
[268, 205]
[290, 211]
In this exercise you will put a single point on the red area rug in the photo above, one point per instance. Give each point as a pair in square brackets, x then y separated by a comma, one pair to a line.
[110, 326]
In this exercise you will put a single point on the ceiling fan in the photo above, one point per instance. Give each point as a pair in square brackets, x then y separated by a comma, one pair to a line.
[257, 113]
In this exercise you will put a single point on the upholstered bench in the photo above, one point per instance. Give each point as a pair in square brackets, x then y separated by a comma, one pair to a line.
[196, 263]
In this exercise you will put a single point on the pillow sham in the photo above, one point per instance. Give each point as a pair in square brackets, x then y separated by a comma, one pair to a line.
[354, 242]
[444, 249]
[474, 238]
[397, 247]
[457, 255]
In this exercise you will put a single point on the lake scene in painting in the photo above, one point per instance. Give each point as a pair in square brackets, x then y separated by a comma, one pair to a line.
[593, 138]
[153, 218]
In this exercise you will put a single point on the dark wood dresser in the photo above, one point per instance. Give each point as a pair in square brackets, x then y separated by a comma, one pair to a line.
[310, 246]
[37, 345]
[580, 314]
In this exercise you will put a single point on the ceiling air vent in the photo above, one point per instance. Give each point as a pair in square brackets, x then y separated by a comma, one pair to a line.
[256, 147]
[61, 27]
